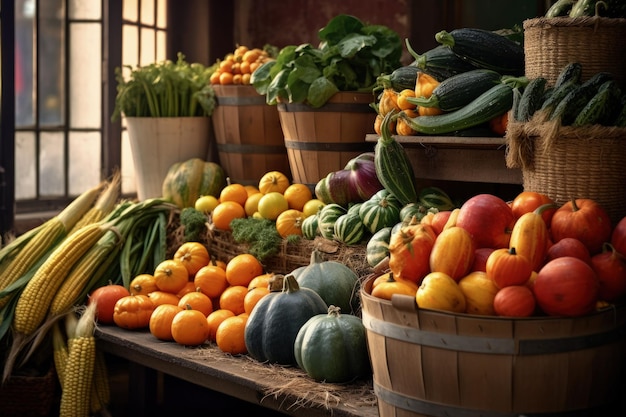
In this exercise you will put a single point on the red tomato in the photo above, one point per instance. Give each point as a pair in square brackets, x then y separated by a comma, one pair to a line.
[585, 220]
[528, 201]
[106, 297]
[566, 286]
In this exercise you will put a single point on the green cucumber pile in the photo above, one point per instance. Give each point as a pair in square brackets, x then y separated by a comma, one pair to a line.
[570, 101]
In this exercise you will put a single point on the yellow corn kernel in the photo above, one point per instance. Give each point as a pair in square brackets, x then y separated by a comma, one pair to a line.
[103, 205]
[34, 302]
[100, 389]
[78, 378]
[60, 352]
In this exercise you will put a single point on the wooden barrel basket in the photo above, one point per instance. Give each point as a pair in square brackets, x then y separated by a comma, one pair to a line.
[433, 363]
[322, 140]
[248, 134]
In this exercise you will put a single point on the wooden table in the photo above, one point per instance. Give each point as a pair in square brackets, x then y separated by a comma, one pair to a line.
[287, 390]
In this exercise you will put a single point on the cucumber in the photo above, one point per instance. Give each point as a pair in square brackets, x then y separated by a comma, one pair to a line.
[459, 90]
[494, 102]
[557, 95]
[485, 49]
[574, 101]
[393, 166]
[400, 79]
[531, 99]
[439, 62]
[601, 108]
[560, 8]
[572, 71]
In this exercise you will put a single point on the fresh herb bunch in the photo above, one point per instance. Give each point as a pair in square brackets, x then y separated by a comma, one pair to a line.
[350, 57]
[165, 89]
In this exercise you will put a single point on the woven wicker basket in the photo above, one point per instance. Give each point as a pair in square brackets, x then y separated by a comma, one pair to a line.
[291, 255]
[567, 162]
[29, 396]
[597, 43]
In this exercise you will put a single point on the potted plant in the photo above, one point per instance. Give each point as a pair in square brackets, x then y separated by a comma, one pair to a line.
[166, 107]
[324, 93]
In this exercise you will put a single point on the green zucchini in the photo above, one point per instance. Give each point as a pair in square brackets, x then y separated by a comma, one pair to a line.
[400, 79]
[459, 90]
[560, 8]
[585, 8]
[531, 99]
[494, 102]
[485, 49]
[558, 94]
[572, 71]
[439, 62]
[601, 108]
[393, 166]
[574, 101]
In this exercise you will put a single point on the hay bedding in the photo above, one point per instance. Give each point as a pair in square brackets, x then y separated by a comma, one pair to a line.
[295, 385]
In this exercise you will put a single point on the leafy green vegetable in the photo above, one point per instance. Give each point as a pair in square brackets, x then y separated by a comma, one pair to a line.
[350, 57]
[165, 89]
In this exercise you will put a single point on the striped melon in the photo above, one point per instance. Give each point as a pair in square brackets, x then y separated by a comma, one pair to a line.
[186, 181]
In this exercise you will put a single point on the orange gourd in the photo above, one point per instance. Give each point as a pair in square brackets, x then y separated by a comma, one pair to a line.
[529, 237]
[289, 223]
[171, 275]
[505, 267]
[194, 255]
[386, 286]
[190, 327]
[133, 311]
[161, 321]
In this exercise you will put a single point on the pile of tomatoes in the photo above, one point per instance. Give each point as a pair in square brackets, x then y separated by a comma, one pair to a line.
[237, 67]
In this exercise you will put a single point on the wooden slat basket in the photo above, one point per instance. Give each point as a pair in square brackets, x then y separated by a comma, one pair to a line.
[248, 134]
[433, 364]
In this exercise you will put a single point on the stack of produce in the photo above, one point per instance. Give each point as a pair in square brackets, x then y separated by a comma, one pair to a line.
[464, 84]
[237, 67]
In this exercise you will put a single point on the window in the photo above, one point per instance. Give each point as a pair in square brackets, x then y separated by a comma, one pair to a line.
[61, 75]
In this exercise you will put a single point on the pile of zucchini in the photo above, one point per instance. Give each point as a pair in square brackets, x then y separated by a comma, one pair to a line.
[477, 71]
[572, 102]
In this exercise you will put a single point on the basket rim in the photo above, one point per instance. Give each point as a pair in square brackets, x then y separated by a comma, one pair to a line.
[565, 21]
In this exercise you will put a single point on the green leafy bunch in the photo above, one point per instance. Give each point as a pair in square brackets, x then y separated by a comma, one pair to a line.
[350, 57]
[165, 89]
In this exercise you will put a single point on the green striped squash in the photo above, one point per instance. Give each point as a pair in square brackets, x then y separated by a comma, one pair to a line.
[377, 247]
[309, 227]
[381, 210]
[188, 180]
[349, 229]
[327, 217]
[435, 197]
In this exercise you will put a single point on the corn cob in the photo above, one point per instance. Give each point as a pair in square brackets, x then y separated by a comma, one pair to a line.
[35, 299]
[47, 236]
[78, 378]
[59, 352]
[103, 206]
[100, 389]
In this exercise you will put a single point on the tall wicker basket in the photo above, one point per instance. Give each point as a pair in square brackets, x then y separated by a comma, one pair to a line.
[597, 43]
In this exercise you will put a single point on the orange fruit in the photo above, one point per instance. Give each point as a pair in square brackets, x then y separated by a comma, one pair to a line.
[297, 195]
[197, 301]
[253, 296]
[232, 299]
[161, 321]
[234, 192]
[252, 203]
[190, 328]
[242, 268]
[211, 280]
[251, 189]
[226, 212]
[215, 319]
[230, 335]
[171, 275]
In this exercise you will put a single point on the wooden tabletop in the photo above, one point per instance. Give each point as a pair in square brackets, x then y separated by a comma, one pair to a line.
[285, 389]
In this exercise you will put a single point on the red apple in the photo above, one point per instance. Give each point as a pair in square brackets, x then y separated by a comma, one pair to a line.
[618, 237]
[569, 246]
[489, 219]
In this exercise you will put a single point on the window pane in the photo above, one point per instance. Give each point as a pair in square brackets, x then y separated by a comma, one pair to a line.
[25, 170]
[51, 165]
[81, 9]
[129, 11]
[84, 161]
[24, 69]
[86, 79]
[161, 14]
[51, 52]
[147, 47]
[161, 38]
[147, 12]
[130, 46]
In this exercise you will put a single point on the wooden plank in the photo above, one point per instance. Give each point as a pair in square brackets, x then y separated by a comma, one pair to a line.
[239, 377]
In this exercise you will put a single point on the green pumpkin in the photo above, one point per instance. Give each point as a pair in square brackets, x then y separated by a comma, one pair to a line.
[377, 247]
[335, 282]
[309, 227]
[380, 211]
[332, 347]
[188, 180]
[273, 324]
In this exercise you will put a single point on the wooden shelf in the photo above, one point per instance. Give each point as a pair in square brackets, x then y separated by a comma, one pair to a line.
[458, 158]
